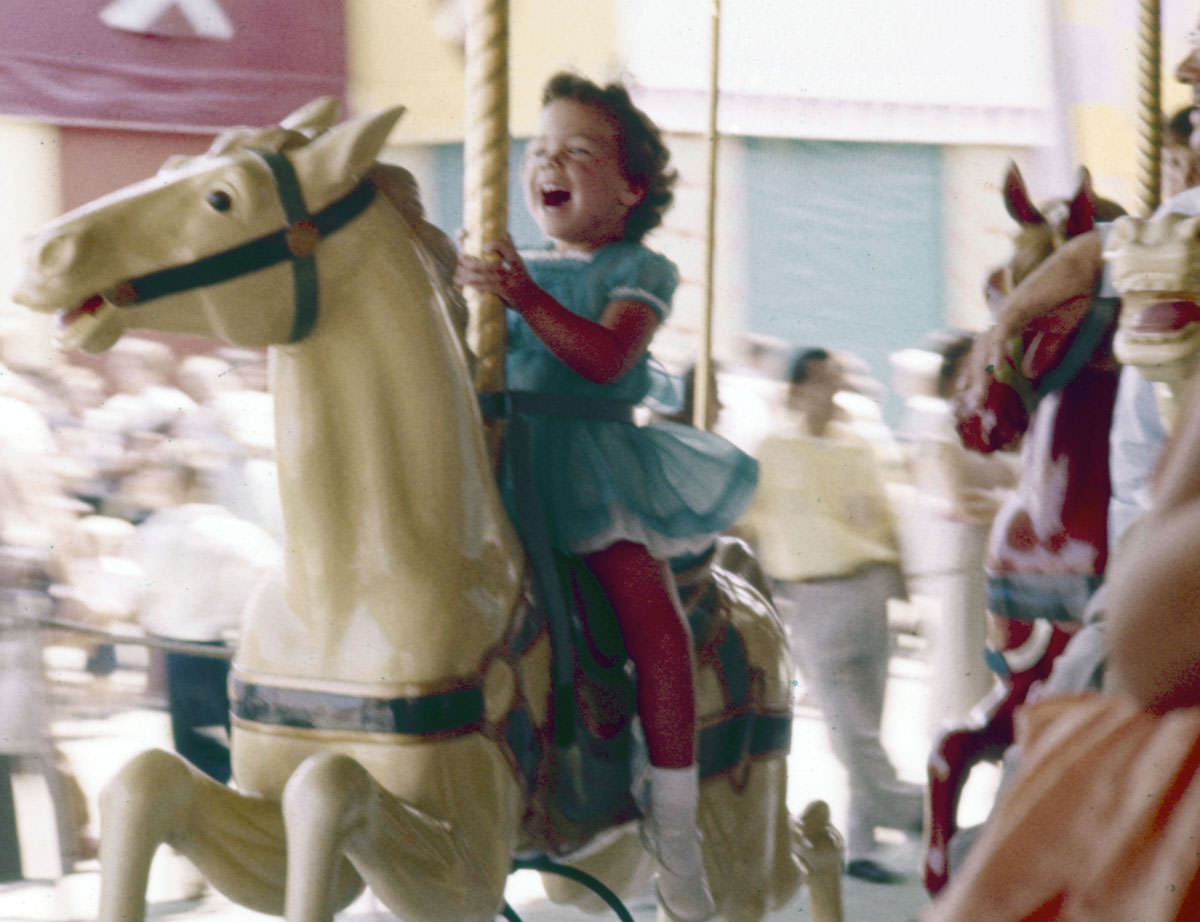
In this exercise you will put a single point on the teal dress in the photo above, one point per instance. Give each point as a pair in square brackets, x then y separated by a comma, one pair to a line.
[601, 478]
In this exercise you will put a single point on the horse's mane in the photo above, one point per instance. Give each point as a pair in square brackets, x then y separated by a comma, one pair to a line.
[399, 186]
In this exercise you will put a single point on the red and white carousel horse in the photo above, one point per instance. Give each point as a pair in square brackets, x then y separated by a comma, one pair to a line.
[1051, 387]
[392, 718]
[1099, 821]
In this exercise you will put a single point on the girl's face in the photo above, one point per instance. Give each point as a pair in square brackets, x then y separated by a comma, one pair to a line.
[574, 186]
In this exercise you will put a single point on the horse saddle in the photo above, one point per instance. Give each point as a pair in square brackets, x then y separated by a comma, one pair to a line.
[580, 767]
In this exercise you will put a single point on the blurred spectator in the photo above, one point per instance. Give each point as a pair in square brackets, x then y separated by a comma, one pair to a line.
[100, 583]
[145, 400]
[242, 414]
[751, 392]
[199, 565]
[128, 425]
[33, 510]
[222, 431]
[954, 496]
[36, 519]
[77, 391]
[823, 528]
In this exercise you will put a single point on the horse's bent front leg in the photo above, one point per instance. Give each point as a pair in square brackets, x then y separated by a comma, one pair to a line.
[324, 807]
[986, 734]
[157, 798]
[419, 866]
[1025, 653]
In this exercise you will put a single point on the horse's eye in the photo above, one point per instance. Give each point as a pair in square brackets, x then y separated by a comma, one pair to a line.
[220, 201]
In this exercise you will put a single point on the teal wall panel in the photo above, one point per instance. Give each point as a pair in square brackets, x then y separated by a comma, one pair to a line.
[448, 178]
[844, 246]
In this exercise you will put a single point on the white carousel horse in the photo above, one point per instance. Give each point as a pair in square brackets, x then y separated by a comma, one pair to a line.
[1155, 266]
[376, 690]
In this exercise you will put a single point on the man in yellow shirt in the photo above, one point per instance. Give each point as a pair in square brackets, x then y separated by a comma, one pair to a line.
[825, 535]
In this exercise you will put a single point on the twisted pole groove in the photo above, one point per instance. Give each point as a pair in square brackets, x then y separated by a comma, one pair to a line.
[1149, 106]
[485, 183]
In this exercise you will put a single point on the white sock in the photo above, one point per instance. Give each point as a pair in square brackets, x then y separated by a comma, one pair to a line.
[675, 789]
[675, 842]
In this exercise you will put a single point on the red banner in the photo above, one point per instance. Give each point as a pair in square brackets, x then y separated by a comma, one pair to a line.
[183, 65]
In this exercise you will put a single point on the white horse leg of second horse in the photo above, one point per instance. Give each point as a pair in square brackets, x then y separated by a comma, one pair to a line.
[236, 841]
[419, 866]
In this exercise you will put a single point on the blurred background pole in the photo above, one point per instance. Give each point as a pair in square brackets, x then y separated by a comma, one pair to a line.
[485, 192]
[704, 395]
[1149, 106]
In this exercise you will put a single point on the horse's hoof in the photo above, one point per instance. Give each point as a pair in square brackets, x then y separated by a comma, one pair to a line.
[692, 901]
[936, 874]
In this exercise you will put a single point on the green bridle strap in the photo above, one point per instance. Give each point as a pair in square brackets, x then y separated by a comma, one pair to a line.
[302, 238]
[295, 243]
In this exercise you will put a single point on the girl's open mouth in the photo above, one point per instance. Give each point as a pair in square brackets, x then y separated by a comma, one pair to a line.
[552, 198]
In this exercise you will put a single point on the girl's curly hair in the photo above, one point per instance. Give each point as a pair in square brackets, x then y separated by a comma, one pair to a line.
[645, 159]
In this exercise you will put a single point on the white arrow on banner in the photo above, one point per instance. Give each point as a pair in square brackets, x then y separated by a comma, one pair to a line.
[205, 17]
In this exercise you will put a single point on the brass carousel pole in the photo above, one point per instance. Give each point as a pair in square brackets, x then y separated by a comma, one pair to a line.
[485, 192]
[1149, 106]
[701, 392]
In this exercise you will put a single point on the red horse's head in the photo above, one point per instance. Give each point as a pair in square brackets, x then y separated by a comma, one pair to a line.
[1041, 229]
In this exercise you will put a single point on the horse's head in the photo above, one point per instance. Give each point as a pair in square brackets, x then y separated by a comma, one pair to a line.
[993, 412]
[233, 220]
[1042, 229]
[1155, 266]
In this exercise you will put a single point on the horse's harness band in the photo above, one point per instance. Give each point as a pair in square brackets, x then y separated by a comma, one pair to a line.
[295, 243]
[452, 712]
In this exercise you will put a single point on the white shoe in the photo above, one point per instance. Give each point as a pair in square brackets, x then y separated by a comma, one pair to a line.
[670, 835]
[681, 884]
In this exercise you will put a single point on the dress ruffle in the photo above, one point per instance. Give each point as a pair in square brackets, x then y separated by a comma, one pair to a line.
[677, 481]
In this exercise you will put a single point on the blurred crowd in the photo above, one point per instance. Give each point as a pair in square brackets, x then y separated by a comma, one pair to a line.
[138, 494]
[94, 452]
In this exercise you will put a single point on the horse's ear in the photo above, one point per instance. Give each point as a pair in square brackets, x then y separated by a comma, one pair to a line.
[313, 117]
[1081, 216]
[348, 150]
[1016, 199]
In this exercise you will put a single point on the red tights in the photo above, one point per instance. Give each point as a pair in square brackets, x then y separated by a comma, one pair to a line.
[658, 640]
